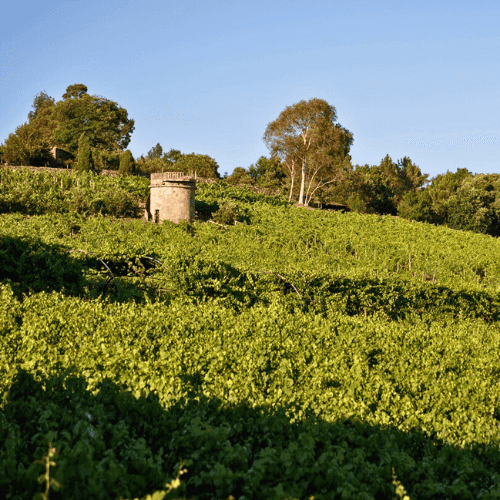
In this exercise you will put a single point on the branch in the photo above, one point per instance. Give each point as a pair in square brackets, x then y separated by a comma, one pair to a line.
[284, 279]
[310, 182]
[317, 187]
[217, 224]
[105, 265]
[98, 258]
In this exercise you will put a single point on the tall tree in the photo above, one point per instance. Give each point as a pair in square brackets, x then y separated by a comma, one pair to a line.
[401, 176]
[239, 176]
[155, 152]
[202, 165]
[43, 118]
[127, 163]
[329, 162]
[41, 102]
[305, 136]
[155, 162]
[85, 160]
[267, 172]
[31, 142]
[26, 147]
[412, 176]
[172, 156]
[443, 186]
[106, 123]
[61, 124]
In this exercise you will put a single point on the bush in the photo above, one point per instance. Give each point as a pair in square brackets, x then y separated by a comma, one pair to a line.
[227, 214]
[418, 206]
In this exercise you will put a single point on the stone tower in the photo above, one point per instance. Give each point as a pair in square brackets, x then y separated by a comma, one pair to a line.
[172, 197]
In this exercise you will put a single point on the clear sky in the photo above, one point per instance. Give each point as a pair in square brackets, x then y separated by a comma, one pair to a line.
[408, 78]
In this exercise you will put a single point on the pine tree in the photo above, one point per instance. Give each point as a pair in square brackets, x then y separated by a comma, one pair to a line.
[127, 163]
[85, 161]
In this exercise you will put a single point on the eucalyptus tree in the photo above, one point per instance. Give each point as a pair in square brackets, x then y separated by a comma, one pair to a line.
[308, 142]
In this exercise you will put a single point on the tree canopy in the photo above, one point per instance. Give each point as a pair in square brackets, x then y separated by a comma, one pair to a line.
[202, 165]
[62, 123]
[307, 140]
[155, 152]
[158, 161]
[106, 123]
[31, 142]
[26, 146]
[239, 177]
[267, 172]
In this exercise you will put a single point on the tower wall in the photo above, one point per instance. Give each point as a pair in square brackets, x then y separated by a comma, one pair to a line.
[172, 197]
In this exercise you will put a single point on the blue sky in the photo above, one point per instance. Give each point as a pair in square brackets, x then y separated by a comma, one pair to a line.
[417, 79]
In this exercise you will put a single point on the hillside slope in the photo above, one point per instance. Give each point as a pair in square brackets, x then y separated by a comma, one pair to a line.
[295, 353]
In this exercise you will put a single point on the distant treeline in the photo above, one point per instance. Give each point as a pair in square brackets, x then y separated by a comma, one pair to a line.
[460, 200]
[309, 162]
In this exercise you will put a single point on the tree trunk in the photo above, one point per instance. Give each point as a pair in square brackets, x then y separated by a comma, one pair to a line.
[291, 190]
[302, 183]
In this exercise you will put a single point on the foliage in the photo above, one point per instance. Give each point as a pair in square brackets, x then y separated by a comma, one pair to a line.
[377, 188]
[300, 353]
[401, 177]
[155, 151]
[105, 122]
[459, 200]
[174, 160]
[370, 191]
[62, 123]
[249, 401]
[172, 156]
[127, 163]
[152, 165]
[239, 177]
[26, 147]
[105, 159]
[228, 213]
[153, 162]
[443, 186]
[475, 208]
[30, 265]
[31, 142]
[38, 193]
[85, 160]
[41, 104]
[203, 165]
[307, 140]
[267, 172]
[417, 205]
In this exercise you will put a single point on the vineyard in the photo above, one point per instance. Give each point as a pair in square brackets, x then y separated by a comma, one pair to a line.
[268, 351]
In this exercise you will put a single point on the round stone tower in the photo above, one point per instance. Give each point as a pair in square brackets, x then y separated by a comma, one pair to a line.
[172, 197]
